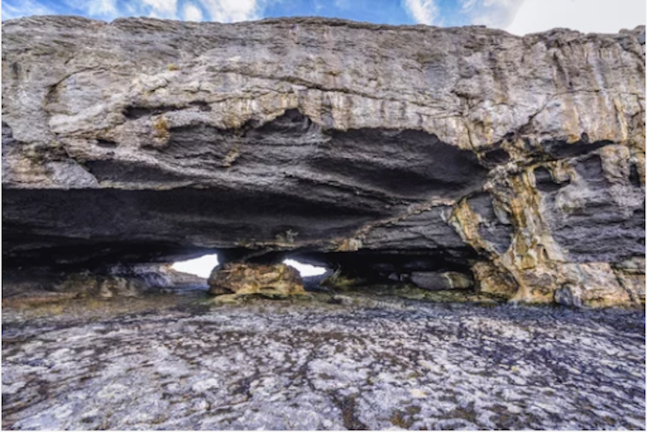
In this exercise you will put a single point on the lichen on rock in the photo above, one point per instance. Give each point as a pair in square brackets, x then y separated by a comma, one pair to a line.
[240, 279]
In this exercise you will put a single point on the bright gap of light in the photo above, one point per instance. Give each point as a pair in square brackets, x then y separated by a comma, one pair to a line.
[205, 264]
[305, 269]
[199, 266]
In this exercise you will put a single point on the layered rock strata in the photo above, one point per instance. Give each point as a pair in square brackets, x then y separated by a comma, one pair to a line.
[517, 162]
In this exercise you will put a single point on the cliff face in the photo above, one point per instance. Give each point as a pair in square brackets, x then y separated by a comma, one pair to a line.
[519, 162]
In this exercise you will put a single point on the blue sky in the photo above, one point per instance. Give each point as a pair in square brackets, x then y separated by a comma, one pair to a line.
[516, 16]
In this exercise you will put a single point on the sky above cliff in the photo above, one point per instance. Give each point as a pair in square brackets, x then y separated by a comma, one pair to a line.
[515, 16]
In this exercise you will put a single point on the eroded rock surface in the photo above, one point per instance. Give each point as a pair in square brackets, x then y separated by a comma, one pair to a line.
[274, 281]
[409, 149]
[373, 364]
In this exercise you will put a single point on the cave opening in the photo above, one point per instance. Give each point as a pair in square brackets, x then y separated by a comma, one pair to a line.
[201, 266]
[204, 265]
[286, 191]
[306, 270]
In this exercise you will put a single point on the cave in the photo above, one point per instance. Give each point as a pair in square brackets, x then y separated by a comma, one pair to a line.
[379, 175]
[293, 190]
[204, 265]
[310, 223]
[371, 205]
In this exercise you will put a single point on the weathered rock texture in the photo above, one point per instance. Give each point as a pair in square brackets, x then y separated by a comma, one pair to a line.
[274, 281]
[369, 363]
[33, 286]
[376, 149]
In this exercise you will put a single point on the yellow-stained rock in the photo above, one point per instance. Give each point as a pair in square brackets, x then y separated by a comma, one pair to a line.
[105, 286]
[240, 279]
[595, 284]
[492, 281]
[340, 281]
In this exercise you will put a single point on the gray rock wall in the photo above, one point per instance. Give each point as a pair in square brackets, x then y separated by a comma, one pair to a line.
[517, 159]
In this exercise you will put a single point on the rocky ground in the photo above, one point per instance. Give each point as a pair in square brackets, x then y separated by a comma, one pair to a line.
[349, 361]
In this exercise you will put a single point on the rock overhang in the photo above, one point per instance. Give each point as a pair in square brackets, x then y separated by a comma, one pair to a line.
[307, 135]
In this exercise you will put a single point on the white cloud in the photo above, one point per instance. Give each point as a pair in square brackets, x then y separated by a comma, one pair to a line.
[26, 8]
[422, 11]
[343, 4]
[601, 16]
[318, 5]
[467, 5]
[162, 8]
[232, 10]
[192, 12]
[528, 16]
[100, 8]
[491, 13]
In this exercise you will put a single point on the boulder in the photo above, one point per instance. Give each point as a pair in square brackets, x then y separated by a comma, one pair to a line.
[442, 280]
[273, 281]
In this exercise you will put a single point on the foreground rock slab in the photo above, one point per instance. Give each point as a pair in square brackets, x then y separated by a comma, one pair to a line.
[365, 363]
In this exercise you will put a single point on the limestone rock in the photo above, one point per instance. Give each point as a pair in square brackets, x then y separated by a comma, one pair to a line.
[376, 149]
[631, 276]
[593, 284]
[274, 281]
[118, 287]
[568, 295]
[442, 280]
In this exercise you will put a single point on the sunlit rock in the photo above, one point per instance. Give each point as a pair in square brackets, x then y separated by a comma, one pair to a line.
[273, 281]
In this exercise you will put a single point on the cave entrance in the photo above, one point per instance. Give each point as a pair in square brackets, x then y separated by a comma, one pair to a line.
[203, 266]
[306, 270]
